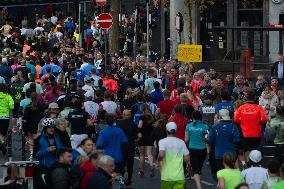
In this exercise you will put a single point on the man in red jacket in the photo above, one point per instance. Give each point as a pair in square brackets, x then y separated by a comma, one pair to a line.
[250, 117]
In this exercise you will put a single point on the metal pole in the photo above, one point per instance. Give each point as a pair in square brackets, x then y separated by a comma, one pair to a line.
[85, 8]
[135, 34]
[68, 7]
[148, 47]
[80, 26]
[106, 40]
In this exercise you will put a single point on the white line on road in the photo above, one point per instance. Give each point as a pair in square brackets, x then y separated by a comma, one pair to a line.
[203, 181]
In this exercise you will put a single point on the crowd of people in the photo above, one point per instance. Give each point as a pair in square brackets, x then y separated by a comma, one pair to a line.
[85, 121]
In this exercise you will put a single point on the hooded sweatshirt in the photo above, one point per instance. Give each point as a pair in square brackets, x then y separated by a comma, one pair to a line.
[6, 105]
[87, 169]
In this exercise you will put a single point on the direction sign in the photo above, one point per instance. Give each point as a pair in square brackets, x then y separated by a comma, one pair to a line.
[190, 53]
[105, 21]
[101, 3]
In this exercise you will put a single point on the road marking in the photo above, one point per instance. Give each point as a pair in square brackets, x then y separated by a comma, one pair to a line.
[203, 181]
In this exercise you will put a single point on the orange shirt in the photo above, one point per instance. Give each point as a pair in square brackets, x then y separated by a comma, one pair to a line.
[38, 68]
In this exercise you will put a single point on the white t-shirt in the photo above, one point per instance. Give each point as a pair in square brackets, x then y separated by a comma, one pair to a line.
[255, 176]
[96, 80]
[89, 89]
[175, 150]
[92, 108]
[109, 106]
[53, 19]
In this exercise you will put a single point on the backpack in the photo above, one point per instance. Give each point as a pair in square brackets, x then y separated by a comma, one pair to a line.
[137, 113]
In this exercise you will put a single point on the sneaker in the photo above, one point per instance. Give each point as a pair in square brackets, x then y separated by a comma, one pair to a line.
[141, 174]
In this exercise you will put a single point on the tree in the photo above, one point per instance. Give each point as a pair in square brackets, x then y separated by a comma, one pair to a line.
[114, 30]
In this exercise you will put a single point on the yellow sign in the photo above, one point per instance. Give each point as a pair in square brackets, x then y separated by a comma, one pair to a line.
[190, 53]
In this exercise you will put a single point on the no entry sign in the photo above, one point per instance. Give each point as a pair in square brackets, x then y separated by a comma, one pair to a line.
[101, 3]
[105, 21]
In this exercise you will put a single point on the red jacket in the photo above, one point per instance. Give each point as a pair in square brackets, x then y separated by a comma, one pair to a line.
[87, 169]
[250, 117]
[181, 123]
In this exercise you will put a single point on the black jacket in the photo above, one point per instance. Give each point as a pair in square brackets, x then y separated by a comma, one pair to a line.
[64, 137]
[274, 69]
[60, 176]
[130, 130]
[100, 180]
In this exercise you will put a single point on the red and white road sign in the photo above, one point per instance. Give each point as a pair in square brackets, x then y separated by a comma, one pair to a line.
[105, 21]
[101, 3]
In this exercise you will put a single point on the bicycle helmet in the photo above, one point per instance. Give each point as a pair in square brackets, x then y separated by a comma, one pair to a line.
[48, 122]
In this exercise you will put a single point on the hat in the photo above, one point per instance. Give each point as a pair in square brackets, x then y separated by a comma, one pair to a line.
[48, 122]
[171, 127]
[225, 114]
[87, 79]
[255, 156]
[53, 105]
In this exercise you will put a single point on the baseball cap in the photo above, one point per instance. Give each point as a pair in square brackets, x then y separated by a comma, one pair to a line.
[53, 105]
[255, 156]
[225, 114]
[171, 127]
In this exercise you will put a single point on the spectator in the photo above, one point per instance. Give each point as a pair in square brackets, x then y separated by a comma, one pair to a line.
[101, 177]
[88, 168]
[60, 174]
[278, 69]
[47, 144]
[269, 101]
[85, 148]
[60, 130]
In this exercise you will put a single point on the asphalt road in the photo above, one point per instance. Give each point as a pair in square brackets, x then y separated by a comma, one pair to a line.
[154, 183]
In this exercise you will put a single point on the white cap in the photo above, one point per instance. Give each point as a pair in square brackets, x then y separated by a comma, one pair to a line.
[53, 105]
[171, 126]
[225, 114]
[255, 156]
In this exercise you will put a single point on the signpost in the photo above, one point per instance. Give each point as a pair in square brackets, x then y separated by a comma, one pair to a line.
[190, 53]
[101, 3]
[105, 21]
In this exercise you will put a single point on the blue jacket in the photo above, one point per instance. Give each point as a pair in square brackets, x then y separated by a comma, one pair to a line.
[44, 157]
[111, 140]
[43, 69]
[157, 96]
[225, 136]
[6, 73]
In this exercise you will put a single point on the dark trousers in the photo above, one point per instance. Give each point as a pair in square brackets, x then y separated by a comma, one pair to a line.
[129, 162]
